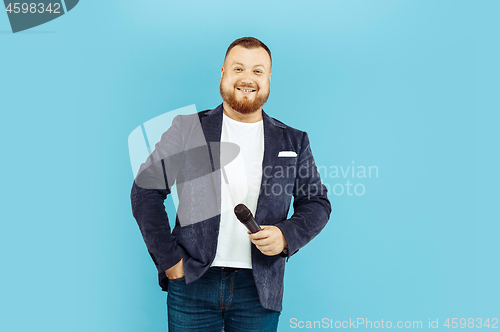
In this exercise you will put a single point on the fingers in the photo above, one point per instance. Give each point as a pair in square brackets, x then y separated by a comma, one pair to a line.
[269, 250]
[263, 242]
[262, 239]
[176, 271]
[264, 233]
[269, 240]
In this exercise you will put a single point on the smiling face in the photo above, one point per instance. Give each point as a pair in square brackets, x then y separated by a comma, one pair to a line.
[245, 79]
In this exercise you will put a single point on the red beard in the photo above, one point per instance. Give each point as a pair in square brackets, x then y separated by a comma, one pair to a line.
[243, 106]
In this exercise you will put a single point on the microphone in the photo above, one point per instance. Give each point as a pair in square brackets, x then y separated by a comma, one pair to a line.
[245, 216]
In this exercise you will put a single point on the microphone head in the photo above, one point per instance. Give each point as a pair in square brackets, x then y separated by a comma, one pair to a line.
[243, 213]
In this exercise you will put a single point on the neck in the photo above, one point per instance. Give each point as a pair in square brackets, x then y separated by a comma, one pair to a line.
[249, 118]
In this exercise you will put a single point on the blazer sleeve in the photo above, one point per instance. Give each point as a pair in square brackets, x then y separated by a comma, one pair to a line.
[310, 203]
[149, 191]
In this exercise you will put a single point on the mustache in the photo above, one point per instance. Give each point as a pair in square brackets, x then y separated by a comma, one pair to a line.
[247, 85]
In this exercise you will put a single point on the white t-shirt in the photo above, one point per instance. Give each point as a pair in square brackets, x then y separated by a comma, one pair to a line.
[244, 176]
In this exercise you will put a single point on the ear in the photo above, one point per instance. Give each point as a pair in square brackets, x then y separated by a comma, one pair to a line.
[221, 73]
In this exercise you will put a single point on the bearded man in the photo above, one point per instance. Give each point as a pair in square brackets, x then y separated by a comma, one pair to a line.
[218, 275]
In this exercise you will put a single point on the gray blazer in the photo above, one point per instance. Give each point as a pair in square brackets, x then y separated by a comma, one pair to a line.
[291, 175]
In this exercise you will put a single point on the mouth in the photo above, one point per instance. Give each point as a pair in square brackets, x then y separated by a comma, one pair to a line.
[246, 90]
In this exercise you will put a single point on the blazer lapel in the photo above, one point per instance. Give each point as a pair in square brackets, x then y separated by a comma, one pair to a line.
[273, 135]
[211, 123]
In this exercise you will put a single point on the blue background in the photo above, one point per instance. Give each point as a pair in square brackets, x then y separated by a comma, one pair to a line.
[408, 86]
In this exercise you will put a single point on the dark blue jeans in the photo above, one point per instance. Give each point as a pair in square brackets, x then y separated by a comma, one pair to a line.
[218, 300]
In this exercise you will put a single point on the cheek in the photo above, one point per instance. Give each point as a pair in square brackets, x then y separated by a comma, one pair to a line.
[228, 82]
[264, 86]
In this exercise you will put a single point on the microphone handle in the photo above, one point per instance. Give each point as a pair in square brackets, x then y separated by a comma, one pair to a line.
[252, 226]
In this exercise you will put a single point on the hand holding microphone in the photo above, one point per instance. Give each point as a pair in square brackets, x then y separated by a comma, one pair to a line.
[269, 240]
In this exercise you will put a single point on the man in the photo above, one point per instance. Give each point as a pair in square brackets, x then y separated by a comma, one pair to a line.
[218, 275]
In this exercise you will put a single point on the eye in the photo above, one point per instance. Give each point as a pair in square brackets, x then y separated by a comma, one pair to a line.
[258, 71]
[237, 69]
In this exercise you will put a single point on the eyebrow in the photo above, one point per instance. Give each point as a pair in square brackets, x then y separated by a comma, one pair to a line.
[239, 63]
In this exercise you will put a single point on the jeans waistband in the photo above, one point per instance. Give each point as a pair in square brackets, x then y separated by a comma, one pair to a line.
[228, 269]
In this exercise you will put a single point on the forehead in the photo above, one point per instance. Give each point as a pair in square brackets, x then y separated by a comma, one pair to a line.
[249, 57]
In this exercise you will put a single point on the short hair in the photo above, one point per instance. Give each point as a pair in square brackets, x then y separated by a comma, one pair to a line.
[249, 43]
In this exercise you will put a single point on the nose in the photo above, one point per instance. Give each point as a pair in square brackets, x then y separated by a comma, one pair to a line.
[247, 78]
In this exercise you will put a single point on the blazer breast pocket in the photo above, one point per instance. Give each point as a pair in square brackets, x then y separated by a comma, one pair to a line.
[285, 168]
[284, 154]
